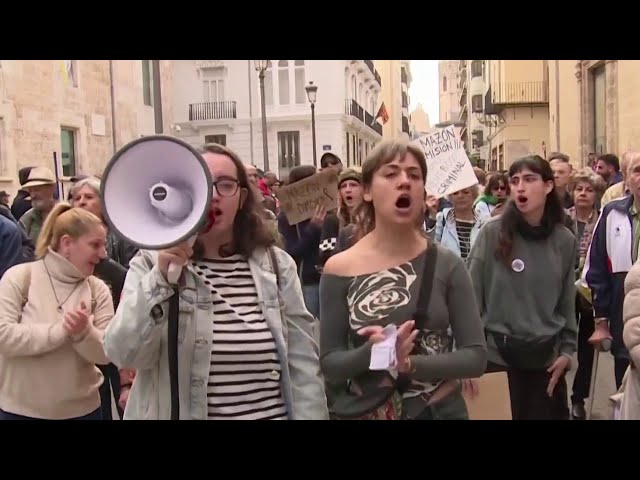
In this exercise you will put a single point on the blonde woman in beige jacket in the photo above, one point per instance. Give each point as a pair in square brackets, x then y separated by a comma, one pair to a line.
[53, 314]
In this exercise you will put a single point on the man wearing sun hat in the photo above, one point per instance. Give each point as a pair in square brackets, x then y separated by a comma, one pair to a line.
[41, 185]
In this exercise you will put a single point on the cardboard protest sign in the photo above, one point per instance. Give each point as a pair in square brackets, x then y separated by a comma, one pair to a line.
[493, 401]
[449, 168]
[299, 201]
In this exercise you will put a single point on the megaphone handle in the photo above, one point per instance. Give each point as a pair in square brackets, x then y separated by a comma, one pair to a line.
[174, 270]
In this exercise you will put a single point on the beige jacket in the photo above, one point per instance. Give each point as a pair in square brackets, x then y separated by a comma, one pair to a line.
[43, 372]
[630, 407]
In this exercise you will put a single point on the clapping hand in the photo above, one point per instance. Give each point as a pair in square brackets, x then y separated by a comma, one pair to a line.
[405, 342]
[76, 322]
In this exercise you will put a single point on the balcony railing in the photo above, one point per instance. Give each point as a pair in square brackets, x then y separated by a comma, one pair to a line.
[519, 93]
[353, 108]
[212, 110]
[403, 75]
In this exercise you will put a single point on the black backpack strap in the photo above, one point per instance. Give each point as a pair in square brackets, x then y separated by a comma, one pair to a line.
[429, 268]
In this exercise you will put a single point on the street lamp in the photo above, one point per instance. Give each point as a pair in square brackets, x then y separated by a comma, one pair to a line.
[312, 90]
[261, 66]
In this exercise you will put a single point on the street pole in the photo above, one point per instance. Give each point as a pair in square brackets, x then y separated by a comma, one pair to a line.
[265, 146]
[313, 133]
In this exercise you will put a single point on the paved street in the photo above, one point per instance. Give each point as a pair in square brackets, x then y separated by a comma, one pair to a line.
[605, 387]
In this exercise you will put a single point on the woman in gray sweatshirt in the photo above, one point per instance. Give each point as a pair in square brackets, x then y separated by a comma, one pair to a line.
[379, 282]
[522, 267]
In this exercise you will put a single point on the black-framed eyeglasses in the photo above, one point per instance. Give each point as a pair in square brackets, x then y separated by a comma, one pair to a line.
[226, 187]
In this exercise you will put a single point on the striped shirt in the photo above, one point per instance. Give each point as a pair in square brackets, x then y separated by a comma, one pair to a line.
[464, 229]
[244, 379]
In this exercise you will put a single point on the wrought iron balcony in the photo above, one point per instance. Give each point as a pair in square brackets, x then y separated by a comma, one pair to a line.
[212, 110]
[353, 108]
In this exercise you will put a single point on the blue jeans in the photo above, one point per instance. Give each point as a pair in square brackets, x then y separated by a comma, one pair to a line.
[95, 415]
[311, 295]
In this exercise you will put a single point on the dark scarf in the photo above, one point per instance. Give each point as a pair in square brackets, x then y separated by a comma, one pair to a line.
[530, 232]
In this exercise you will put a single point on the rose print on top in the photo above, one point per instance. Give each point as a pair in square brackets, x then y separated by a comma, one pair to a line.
[374, 297]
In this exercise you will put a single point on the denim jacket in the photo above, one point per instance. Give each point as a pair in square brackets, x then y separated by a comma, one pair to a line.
[446, 233]
[137, 339]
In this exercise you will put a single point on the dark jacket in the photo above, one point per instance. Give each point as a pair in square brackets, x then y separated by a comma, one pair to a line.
[10, 245]
[114, 275]
[28, 248]
[21, 204]
[302, 242]
[120, 250]
[328, 238]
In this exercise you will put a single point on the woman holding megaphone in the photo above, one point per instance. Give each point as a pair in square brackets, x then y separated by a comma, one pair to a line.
[245, 343]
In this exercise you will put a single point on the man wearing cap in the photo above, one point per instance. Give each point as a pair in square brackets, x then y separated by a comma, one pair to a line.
[331, 160]
[41, 185]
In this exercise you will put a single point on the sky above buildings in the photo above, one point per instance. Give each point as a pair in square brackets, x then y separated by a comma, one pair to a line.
[424, 88]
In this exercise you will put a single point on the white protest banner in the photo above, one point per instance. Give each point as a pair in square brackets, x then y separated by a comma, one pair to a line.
[449, 168]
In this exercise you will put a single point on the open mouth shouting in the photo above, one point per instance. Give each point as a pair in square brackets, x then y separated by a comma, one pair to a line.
[521, 201]
[403, 203]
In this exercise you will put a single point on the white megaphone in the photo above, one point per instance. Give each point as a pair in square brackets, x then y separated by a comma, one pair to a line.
[156, 193]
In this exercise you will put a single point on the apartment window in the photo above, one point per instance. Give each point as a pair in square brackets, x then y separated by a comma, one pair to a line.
[444, 84]
[477, 138]
[268, 84]
[494, 159]
[501, 156]
[354, 88]
[283, 81]
[301, 93]
[347, 144]
[219, 139]
[476, 103]
[599, 110]
[354, 150]
[359, 151]
[373, 105]
[288, 152]
[476, 68]
[213, 90]
[146, 82]
[68, 144]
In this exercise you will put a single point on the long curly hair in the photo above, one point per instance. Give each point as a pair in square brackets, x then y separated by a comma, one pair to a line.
[250, 230]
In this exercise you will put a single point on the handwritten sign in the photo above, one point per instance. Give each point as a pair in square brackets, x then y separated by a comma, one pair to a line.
[449, 168]
[300, 200]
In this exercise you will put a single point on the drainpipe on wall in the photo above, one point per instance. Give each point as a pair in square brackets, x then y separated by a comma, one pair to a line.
[113, 107]
[250, 110]
[157, 96]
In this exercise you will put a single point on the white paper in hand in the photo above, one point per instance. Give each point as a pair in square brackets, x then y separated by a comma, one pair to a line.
[383, 354]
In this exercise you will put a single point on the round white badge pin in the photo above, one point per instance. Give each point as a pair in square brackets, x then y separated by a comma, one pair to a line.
[517, 265]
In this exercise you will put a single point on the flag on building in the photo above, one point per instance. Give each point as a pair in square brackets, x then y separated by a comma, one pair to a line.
[66, 68]
[382, 116]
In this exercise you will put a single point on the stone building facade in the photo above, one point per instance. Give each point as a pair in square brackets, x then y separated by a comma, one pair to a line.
[83, 110]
